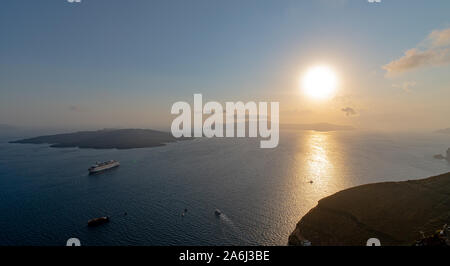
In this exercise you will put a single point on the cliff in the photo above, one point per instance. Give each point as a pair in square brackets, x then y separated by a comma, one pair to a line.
[393, 212]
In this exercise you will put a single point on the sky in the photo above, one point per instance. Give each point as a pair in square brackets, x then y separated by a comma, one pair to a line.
[116, 63]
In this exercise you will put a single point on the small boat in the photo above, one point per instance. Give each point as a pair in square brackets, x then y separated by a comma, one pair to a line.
[98, 221]
[439, 157]
[305, 243]
[217, 212]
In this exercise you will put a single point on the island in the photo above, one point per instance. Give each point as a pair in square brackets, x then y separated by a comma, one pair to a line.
[443, 131]
[106, 139]
[396, 213]
[322, 127]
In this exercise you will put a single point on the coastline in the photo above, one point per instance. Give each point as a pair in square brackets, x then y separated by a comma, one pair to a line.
[393, 212]
[120, 139]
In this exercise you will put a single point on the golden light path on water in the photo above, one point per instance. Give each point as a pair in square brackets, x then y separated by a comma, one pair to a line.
[325, 163]
[320, 167]
[320, 157]
[318, 164]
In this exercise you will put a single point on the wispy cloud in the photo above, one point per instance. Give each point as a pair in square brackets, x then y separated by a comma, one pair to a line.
[349, 111]
[76, 108]
[435, 52]
[405, 86]
[440, 38]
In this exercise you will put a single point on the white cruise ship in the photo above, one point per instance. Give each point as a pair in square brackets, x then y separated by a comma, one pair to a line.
[100, 167]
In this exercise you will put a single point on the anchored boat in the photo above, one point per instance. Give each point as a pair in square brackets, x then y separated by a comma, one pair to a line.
[100, 167]
[98, 221]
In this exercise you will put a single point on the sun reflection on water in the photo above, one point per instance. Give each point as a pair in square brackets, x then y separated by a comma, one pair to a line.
[320, 164]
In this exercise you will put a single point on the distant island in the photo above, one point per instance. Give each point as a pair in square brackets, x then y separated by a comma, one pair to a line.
[323, 127]
[443, 131]
[105, 139]
[393, 212]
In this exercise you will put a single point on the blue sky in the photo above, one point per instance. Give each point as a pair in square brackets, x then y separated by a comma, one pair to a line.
[102, 63]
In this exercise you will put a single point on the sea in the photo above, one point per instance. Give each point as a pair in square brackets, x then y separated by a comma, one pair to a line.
[47, 195]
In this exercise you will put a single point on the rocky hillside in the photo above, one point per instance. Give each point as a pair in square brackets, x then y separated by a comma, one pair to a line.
[393, 212]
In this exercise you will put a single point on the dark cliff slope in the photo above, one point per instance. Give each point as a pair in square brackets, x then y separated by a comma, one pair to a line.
[394, 212]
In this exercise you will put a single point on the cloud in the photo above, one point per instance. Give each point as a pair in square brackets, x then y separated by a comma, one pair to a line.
[436, 52]
[75, 108]
[405, 86]
[440, 38]
[349, 111]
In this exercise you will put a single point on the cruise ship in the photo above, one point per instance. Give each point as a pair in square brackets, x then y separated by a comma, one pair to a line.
[100, 167]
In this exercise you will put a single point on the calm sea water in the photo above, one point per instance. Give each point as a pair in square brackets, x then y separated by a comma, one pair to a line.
[46, 195]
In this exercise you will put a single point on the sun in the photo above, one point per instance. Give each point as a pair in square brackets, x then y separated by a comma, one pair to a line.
[320, 82]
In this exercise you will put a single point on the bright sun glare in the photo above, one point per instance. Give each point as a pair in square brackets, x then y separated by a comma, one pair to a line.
[319, 82]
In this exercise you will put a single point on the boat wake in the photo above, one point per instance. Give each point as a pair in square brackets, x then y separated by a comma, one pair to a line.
[234, 233]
